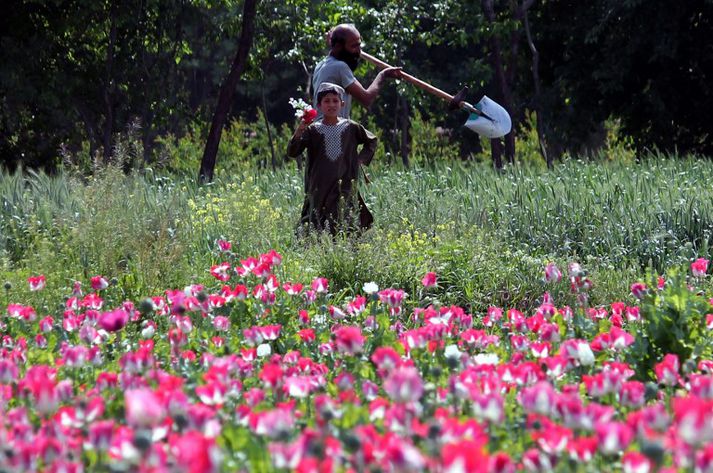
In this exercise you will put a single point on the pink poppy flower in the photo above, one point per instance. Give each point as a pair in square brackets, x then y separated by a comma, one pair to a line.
[488, 407]
[639, 290]
[692, 416]
[143, 408]
[493, 316]
[246, 266]
[632, 314]
[8, 371]
[37, 283]
[404, 384]
[704, 459]
[320, 285]
[539, 398]
[553, 438]
[270, 332]
[465, 456]
[701, 385]
[272, 424]
[613, 437]
[582, 449]
[100, 434]
[113, 321]
[271, 258]
[99, 283]
[212, 394]
[349, 340]
[699, 267]
[429, 280]
[501, 462]
[356, 306]
[221, 272]
[552, 273]
[221, 323]
[635, 462]
[392, 297]
[536, 461]
[292, 289]
[196, 452]
[92, 301]
[632, 394]
[224, 245]
[667, 370]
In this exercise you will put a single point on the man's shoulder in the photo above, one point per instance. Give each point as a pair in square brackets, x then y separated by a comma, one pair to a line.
[332, 63]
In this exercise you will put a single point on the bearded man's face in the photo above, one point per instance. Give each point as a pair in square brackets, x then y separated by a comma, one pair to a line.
[352, 59]
[350, 50]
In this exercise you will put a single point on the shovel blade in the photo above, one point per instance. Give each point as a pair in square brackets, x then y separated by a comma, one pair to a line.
[497, 123]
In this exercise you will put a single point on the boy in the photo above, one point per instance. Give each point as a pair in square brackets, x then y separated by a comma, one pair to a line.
[333, 162]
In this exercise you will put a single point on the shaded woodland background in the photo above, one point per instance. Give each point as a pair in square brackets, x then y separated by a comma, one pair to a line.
[76, 74]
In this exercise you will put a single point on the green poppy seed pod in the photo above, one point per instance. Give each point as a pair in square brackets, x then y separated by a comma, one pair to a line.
[181, 421]
[651, 391]
[351, 442]
[7, 285]
[146, 306]
[142, 440]
[113, 281]
[283, 435]
[689, 367]
[452, 362]
[316, 449]
[654, 451]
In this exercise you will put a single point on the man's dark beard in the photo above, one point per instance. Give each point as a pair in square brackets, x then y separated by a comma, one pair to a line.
[351, 59]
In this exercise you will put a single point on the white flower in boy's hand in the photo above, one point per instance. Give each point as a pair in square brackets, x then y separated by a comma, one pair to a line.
[303, 110]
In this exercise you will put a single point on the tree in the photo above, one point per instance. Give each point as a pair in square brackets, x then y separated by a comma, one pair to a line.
[227, 90]
[642, 62]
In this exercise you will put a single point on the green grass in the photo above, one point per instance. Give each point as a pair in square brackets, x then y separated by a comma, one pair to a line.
[487, 234]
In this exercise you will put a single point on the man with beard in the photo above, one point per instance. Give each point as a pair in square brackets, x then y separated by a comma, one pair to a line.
[338, 68]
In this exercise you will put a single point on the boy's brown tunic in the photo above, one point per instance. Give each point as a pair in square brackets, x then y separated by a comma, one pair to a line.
[332, 171]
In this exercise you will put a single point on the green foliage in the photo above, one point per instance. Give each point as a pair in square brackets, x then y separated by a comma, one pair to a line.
[244, 145]
[527, 147]
[674, 321]
[431, 144]
[487, 234]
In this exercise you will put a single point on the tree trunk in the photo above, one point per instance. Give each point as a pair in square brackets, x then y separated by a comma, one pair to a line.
[109, 85]
[538, 97]
[227, 90]
[503, 86]
[496, 148]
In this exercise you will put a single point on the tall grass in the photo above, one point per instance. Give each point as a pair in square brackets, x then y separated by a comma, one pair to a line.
[655, 213]
[486, 233]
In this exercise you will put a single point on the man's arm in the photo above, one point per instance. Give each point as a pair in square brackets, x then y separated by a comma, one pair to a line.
[367, 96]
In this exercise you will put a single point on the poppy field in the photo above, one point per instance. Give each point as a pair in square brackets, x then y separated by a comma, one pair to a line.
[522, 321]
[252, 372]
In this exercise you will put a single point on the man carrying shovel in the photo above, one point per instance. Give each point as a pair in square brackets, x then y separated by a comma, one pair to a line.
[487, 118]
[339, 66]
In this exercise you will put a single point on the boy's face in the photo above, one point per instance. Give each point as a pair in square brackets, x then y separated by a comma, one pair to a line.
[330, 105]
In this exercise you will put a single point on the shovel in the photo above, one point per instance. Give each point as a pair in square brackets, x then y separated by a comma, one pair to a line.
[487, 117]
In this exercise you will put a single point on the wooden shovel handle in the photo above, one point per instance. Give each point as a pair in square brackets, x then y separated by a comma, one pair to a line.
[409, 78]
[421, 84]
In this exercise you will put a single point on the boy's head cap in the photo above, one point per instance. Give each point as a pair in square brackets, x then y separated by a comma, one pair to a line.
[328, 87]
